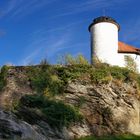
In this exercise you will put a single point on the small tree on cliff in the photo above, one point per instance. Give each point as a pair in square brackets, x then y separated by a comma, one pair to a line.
[130, 63]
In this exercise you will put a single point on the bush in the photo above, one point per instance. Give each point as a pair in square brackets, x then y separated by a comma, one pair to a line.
[57, 113]
[44, 77]
[99, 75]
[119, 73]
[3, 75]
[138, 80]
[130, 63]
[69, 73]
[44, 62]
[55, 78]
[104, 74]
[70, 60]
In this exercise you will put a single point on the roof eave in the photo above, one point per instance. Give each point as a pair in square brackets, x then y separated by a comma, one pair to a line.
[137, 53]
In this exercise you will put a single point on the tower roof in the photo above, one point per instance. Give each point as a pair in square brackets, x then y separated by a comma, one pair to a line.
[104, 19]
[124, 48]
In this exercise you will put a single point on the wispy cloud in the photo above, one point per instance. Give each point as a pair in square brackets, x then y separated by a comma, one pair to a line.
[91, 5]
[20, 8]
[28, 59]
[42, 47]
[130, 32]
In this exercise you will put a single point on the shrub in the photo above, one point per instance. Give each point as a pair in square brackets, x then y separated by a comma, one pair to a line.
[73, 72]
[57, 113]
[80, 59]
[130, 63]
[44, 62]
[45, 77]
[70, 60]
[118, 73]
[104, 74]
[100, 75]
[3, 75]
[55, 78]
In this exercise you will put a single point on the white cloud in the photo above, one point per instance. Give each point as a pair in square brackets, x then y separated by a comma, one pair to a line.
[20, 8]
[42, 47]
[92, 5]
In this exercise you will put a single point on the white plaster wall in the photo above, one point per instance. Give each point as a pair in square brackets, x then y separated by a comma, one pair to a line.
[104, 40]
[135, 57]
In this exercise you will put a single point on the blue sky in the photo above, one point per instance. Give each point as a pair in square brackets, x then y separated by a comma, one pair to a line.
[31, 30]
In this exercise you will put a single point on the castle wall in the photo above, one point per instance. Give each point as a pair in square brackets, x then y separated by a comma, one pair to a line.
[135, 57]
[120, 60]
[104, 43]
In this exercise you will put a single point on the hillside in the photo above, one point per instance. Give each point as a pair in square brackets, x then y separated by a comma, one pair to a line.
[68, 102]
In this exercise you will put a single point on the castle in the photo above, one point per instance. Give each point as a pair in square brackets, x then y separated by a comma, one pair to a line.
[105, 45]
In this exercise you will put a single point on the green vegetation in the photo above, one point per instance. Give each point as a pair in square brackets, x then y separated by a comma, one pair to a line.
[56, 113]
[44, 78]
[53, 79]
[69, 73]
[100, 75]
[104, 74]
[3, 75]
[70, 60]
[123, 137]
[130, 63]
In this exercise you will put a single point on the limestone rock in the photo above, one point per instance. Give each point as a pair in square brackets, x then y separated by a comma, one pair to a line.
[106, 108]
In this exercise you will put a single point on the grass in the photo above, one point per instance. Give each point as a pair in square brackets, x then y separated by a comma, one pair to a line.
[123, 137]
[3, 75]
[54, 79]
[45, 77]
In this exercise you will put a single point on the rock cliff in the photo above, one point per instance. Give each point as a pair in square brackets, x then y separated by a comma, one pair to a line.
[108, 107]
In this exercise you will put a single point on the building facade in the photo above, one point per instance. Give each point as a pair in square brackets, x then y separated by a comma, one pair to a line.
[105, 45]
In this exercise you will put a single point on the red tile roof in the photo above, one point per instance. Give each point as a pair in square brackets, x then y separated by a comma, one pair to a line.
[124, 48]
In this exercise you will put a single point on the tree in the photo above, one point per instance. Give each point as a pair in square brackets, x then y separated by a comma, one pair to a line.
[130, 63]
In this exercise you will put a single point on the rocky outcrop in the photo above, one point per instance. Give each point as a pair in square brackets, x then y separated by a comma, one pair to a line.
[13, 128]
[107, 109]
[17, 85]
[111, 108]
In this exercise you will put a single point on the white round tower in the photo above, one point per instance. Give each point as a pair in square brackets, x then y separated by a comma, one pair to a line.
[104, 40]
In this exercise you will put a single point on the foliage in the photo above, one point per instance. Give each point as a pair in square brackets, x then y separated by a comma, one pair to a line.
[53, 79]
[130, 63]
[44, 62]
[45, 77]
[70, 60]
[3, 75]
[104, 74]
[119, 73]
[69, 73]
[122, 137]
[100, 75]
[138, 80]
[57, 113]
